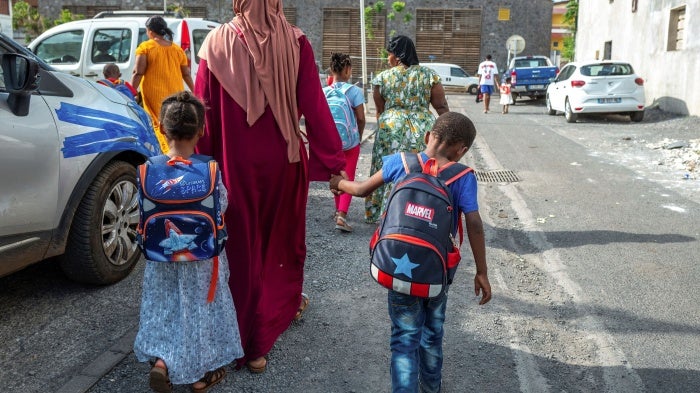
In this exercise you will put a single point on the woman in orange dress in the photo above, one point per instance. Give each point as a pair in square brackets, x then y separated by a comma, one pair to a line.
[161, 67]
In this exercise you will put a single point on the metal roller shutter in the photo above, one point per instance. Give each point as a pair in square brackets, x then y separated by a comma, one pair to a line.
[341, 33]
[449, 36]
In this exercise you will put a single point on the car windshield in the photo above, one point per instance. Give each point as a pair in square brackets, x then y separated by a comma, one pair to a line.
[605, 69]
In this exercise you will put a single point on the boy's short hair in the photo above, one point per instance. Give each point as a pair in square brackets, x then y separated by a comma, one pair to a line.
[111, 70]
[452, 128]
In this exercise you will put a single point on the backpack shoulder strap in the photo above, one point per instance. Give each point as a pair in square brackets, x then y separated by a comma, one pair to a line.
[450, 173]
[412, 162]
[106, 82]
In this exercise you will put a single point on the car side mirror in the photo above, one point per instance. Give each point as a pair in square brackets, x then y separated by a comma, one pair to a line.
[21, 76]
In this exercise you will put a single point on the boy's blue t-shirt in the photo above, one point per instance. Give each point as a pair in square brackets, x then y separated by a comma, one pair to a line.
[464, 191]
[354, 94]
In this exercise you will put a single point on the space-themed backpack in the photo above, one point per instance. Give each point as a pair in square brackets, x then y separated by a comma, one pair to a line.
[180, 215]
[413, 251]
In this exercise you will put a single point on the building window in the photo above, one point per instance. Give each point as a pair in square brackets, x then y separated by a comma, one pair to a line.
[676, 29]
[555, 44]
[504, 14]
[607, 50]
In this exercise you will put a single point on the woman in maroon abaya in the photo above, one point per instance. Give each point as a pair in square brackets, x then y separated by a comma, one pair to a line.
[258, 76]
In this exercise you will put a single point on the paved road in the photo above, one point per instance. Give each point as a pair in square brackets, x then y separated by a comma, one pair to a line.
[592, 259]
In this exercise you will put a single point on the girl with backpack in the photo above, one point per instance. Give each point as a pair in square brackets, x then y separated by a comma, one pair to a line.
[347, 104]
[188, 329]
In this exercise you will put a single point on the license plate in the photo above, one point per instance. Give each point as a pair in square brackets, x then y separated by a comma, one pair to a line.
[536, 87]
[609, 100]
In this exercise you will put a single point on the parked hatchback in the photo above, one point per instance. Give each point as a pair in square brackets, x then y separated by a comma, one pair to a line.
[83, 47]
[68, 152]
[597, 87]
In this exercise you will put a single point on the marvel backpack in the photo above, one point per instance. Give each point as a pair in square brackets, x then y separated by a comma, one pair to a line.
[343, 114]
[180, 217]
[119, 86]
[413, 251]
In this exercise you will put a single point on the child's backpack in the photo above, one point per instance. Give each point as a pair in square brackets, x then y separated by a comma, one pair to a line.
[343, 114]
[414, 251]
[119, 86]
[180, 217]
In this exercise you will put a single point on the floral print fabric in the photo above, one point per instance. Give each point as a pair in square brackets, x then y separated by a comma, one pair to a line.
[402, 125]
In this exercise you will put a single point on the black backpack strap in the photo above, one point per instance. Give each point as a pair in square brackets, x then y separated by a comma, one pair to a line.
[412, 162]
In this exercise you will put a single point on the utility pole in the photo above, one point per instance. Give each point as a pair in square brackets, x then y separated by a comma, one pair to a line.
[364, 50]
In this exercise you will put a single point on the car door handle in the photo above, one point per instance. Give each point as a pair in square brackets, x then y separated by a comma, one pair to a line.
[74, 73]
[91, 74]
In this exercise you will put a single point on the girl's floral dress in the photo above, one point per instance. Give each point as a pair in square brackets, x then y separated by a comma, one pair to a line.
[402, 125]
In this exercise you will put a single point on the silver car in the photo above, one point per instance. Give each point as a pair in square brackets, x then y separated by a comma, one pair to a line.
[597, 87]
[68, 151]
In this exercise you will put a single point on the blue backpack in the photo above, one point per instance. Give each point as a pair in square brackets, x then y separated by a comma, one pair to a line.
[343, 114]
[180, 218]
[413, 251]
[119, 86]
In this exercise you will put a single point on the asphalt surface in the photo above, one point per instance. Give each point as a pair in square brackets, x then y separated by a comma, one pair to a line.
[591, 257]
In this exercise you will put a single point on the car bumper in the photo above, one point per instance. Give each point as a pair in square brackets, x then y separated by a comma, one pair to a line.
[592, 105]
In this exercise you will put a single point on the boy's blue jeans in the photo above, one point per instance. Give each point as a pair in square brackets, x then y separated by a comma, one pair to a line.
[416, 342]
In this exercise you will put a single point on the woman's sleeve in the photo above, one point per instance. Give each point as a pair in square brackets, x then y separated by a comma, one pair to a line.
[205, 84]
[325, 149]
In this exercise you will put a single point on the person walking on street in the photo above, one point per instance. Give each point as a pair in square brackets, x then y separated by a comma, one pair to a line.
[187, 326]
[161, 67]
[488, 80]
[417, 322]
[506, 97]
[402, 97]
[257, 73]
[344, 97]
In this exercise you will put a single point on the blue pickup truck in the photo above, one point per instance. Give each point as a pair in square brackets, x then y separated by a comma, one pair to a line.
[530, 76]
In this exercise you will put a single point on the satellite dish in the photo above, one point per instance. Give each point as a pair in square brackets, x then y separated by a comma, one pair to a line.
[515, 44]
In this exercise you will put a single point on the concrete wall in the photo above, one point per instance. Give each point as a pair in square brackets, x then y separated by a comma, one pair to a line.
[531, 19]
[641, 38]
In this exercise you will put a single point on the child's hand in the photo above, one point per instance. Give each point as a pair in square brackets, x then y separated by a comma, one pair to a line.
[481, 284]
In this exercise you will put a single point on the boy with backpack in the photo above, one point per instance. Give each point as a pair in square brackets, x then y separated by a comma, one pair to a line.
[347, 104]
[419, 207]
[112, 74]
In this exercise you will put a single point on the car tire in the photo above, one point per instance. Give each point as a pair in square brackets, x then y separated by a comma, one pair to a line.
[637, 116]
[101, 247]
[550, 111]
[473, 90]
[570, 116]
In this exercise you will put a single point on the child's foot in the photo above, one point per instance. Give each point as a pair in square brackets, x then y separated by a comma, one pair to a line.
[209, 379]
[341, 223]
[158, 378]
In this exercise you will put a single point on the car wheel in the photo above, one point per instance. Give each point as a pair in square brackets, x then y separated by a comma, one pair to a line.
[550, 111]
[473, 90]
[102, 247]
[571, 117]
[637, 116]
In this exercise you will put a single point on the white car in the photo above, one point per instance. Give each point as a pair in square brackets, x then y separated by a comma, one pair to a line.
[83, 47]
[597, 87]
[452, 75]
[69, 149]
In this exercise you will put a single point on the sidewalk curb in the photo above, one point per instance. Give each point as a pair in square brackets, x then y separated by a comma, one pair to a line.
[103, 364]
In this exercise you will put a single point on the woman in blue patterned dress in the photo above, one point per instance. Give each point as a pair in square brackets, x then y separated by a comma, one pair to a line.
[402, 97]
[187, 335]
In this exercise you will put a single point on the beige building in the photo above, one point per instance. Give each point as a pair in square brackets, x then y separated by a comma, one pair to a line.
[661, 39]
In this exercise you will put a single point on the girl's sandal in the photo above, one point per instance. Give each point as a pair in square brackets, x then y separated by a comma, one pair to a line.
[341, 223]
[209, 379]
[158, 379]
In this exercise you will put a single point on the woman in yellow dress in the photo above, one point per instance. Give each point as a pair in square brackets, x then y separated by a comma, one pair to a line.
[161, 67]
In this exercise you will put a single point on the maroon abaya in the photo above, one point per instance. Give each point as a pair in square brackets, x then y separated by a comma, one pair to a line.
[266, 217]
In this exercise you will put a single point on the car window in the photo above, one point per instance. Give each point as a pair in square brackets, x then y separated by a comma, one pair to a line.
[520, 63]
[566, 73]
[198, 38]
[607, 69]
[61, 48]
[458, 72]
[143, 36]
[111, 45]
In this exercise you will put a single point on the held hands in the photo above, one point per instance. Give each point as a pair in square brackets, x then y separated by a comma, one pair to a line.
[481, 284]
[335, 182]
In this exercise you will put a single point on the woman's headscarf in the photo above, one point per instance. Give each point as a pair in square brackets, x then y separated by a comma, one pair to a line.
[255, 57]
[403, 48]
